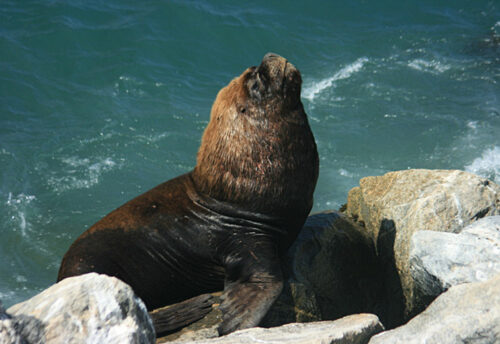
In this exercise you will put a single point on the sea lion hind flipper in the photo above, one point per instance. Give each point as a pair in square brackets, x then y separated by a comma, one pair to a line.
[172, 317]
[245, 304]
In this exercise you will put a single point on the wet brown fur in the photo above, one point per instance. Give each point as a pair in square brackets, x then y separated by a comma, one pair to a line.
[226, 223]
[254, 155]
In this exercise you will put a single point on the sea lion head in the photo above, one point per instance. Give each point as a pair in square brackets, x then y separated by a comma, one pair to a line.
[272, 88]
[275, 82]
[258, 148]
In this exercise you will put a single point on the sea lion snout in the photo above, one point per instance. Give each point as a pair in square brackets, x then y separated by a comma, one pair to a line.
[274, 65]
[279, 76]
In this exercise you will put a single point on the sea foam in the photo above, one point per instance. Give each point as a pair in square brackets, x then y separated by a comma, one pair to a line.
[80, 173]
[18, 209]
[487, 165]
[434, 67]
[311, 91]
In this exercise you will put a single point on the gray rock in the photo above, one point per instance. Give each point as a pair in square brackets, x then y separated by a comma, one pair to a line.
[353, 329]
[333, 272]
[467, 313]
[8, 333]
[90, 308]
[440, 260]
[396, 205]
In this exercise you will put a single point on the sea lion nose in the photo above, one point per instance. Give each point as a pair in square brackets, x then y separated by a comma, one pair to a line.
[272, 67]
[276, 72]
[272, 56]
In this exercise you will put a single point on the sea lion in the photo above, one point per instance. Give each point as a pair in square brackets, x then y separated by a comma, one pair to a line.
[225, 224]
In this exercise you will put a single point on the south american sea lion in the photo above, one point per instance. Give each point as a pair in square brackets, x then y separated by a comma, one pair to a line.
[225, 224]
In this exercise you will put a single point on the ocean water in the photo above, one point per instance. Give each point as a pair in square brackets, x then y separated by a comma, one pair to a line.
[102, 100]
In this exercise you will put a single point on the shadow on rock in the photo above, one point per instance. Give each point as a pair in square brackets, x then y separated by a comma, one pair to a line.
[334, 270]
[393, 298]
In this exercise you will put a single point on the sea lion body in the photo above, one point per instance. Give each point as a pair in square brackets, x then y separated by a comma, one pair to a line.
[226, 223]
[171, 243]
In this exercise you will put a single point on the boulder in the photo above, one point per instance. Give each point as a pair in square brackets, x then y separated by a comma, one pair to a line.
[353, 329]
[439, 260]
[467, 313]
[333, 272]
[394, 206]
[89, 308]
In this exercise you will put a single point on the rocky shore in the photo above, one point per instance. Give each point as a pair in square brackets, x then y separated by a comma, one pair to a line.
[413, 257]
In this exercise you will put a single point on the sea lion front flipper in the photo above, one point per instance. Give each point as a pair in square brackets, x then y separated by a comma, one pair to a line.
[252, 286]
[245, 304]
[173, 317]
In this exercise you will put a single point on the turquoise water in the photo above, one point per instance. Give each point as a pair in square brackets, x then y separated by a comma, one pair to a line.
[102, 100]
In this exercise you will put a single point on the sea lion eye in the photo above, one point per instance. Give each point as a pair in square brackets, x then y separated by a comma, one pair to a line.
[242, 109]
[255, 88]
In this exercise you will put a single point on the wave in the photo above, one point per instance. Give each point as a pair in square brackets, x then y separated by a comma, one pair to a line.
[310, 92]
[495, 29]
[3, 151]
[80, 173]
[487, 165]
[434, 67]
[7, 295]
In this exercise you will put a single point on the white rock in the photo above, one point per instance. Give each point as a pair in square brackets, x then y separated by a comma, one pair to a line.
[440, 260]
[90, 308]
[352, 329]
[467, 313]
[8, 333]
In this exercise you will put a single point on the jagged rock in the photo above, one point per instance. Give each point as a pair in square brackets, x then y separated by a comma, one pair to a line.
[8, 333]
[353, 329]
[440, 260]
[333, 272]
[89, 308]
[394, 206]
[467, 313]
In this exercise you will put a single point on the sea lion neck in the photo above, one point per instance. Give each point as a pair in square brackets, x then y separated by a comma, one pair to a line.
[228, 214]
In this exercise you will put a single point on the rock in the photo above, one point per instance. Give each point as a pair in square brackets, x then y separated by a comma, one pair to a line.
[467, 313]
[354, 329]
[394, 206]
[333, 272]
[8, 333]
[89, 308]
[440, 260]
